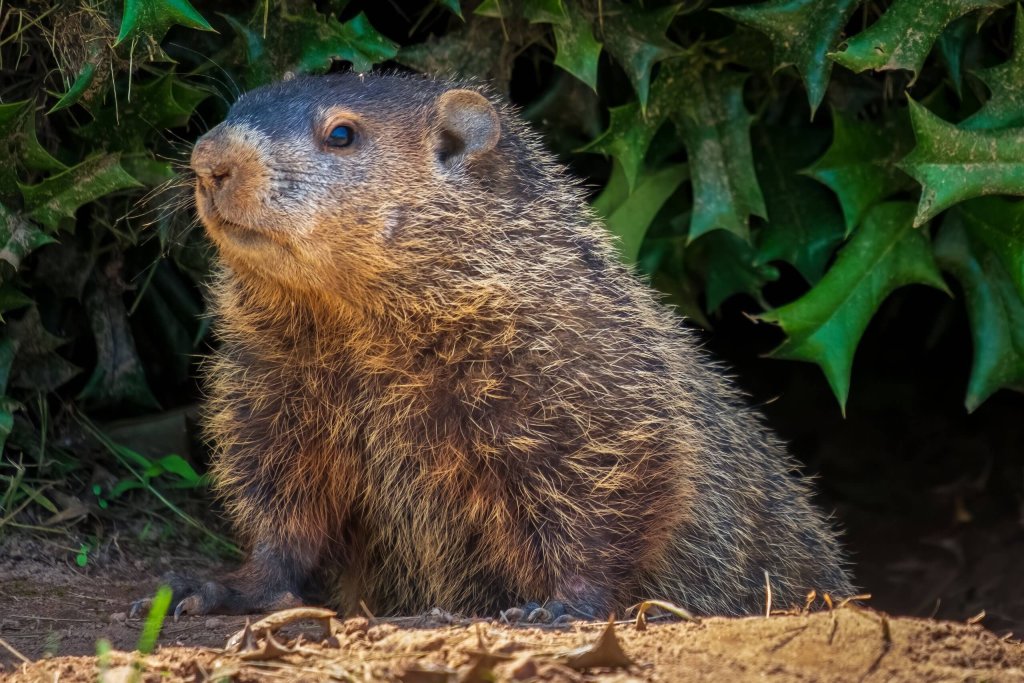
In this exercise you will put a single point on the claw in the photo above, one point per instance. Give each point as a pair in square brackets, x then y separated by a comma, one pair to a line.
[540, 616]
[190, 605]
[137, 606]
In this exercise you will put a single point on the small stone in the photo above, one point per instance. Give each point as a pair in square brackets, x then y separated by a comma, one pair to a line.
[118, 618]
[355, 625]
[380, 632]
[214, 622]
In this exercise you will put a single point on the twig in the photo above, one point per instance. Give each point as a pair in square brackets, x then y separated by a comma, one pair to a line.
[10, 648]
[768, 595]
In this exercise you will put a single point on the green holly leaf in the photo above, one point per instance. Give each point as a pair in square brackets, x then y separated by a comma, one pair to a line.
[859, 166]
[154, 17]
[953, 164]
[118, 377]
[19, 145]
[904, 35]
[545, 12]
[328, 39]
[18, 132]
[707, 108]
[729, 266]
[825, 325]
[259, 68]
[1005, 106]
[493, 9]
[60, 195]
[452, 6]
[38, 365]
[952, 46]
[18, 238]
[78, 89]
[805, 224]
[802, 31]
[994, 306]
[577, 49]
[628, 215]
[12, 298]
[636, 39]
[998, 225]
[162, 103]
[629, 135]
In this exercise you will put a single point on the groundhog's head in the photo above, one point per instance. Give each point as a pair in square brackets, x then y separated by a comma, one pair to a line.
[309, 183]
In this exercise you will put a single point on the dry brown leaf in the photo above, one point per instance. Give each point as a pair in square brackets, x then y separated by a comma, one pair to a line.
[272, 622]
[604, 652]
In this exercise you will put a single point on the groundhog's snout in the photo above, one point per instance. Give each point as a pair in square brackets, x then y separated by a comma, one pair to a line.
[228, 171]
[211, 165]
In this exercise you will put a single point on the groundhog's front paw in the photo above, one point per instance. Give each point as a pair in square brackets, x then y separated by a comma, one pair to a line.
[190, 595]
[551, 612]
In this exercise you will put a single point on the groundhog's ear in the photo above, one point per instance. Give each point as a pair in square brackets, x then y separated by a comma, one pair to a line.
[467, 126]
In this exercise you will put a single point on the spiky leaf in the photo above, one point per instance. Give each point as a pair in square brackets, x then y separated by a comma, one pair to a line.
[729, 266]
[825, 325]
[629, 214]
[308, 41]
[802, 31]
[707, 107]
[38, 366]
[636, 39]
[805, 223]
[998, 225]
[629, 135]
[78, 89]
[327, 39]
[19, 145]
[953, 164]
[453, 6]
[994, 306]
[859, 166]
[952, 45]
[164, 102]
[18, 238]
[545, 12]
[154, 17]
[1005, 106]
[578, 50]
[904, 35]
[59, 196]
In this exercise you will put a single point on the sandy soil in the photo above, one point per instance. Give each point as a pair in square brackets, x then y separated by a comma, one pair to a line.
[845, 645]
[53, 615]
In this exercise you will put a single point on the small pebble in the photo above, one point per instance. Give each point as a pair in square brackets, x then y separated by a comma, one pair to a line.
[380, 632]
[355, 625]
[118, 618]
[214, 622]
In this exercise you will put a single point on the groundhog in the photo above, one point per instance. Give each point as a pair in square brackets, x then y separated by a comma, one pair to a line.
[439, 386]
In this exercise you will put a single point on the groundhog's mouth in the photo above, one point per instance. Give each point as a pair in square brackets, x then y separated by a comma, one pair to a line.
[236, 232]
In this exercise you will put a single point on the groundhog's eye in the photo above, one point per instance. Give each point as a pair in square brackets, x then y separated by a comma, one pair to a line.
[341, 136]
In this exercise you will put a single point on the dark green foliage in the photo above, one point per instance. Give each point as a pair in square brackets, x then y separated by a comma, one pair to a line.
[723, 164]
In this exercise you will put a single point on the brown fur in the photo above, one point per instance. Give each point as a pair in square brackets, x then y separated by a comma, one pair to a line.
[438, 387]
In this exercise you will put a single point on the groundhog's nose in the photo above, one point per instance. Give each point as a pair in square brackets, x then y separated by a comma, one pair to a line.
[210, 161]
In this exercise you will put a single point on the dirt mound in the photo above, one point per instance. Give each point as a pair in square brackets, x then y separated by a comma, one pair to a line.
[53, 613]
[851, 644]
